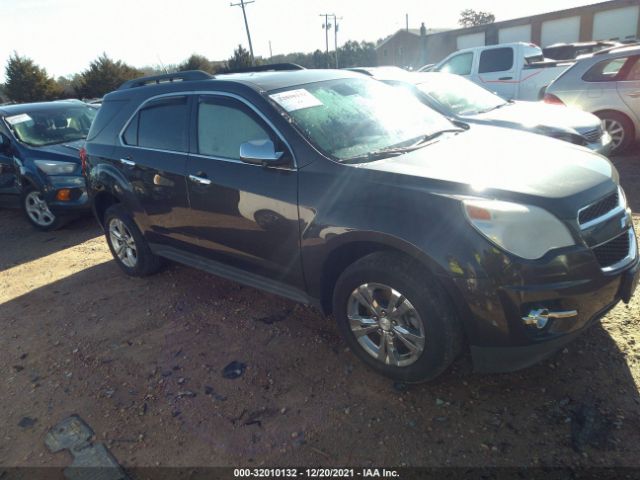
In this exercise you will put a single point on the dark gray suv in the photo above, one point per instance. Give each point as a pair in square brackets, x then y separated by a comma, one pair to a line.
[333, 189]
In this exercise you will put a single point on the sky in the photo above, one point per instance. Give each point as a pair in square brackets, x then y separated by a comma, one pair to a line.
[64, 36]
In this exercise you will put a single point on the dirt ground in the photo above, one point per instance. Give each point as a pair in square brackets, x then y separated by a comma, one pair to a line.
[140, 360]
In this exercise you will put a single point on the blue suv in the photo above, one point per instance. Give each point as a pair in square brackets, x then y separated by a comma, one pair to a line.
[40, 165]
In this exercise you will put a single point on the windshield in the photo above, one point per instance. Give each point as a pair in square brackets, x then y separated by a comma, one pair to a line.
[57, 124]
[351, 117]
[461, 96]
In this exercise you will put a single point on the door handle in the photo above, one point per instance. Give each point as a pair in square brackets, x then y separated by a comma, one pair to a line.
[127, 162]
[199, 180]
[505, 78]
[634, 94]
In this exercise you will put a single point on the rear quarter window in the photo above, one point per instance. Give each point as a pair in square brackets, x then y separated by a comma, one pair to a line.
[107, 112]
[606, 71]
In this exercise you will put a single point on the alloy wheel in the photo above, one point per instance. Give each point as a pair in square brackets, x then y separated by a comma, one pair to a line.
[386, 325]
[616, 130]
[38, 210]
[123, 243]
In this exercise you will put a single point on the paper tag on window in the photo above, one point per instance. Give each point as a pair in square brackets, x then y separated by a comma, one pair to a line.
[296, 100]
[15, 119]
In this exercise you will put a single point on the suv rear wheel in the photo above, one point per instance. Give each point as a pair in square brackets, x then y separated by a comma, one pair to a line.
[396, 318]
[128, 247]
[620, 128]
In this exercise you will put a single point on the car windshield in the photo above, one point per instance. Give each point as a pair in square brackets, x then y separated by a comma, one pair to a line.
[350, 118]
[58, 124]
[461, 96]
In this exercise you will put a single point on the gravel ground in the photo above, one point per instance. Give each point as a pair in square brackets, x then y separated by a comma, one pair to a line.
[141, 360]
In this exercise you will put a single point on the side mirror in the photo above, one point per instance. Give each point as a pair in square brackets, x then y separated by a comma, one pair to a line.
[261, 152]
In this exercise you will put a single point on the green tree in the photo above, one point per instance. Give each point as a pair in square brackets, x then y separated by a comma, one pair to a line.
[103, 76]
[27, 82]
[241, 59]
[471, 18]
[200, 62]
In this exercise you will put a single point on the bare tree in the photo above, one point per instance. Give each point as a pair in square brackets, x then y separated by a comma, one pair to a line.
[471, 18]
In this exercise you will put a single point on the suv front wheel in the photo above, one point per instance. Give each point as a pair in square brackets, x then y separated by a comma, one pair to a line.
[128, 247]
[396, 318]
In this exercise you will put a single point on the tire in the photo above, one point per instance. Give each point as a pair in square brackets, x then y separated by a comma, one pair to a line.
[618, 124]
[37, 211]
[128, 247]
[428, 313]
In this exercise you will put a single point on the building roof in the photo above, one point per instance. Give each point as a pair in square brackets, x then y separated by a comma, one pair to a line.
[414, 31]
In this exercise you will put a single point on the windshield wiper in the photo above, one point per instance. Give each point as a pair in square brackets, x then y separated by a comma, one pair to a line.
[508, 102]
[387, 152]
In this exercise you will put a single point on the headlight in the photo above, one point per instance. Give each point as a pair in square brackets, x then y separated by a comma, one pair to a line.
[53, 167]
[524, 230]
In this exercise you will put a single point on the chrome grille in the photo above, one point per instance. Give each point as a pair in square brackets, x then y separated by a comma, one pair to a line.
[598, 209]
[613, 251]
[592, 136]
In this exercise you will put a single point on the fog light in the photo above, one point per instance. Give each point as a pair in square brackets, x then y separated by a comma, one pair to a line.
[64, 194]
[540, 317]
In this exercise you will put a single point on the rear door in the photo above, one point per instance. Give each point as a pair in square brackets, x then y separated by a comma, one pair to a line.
[629, 86]
[153, 158]
[497, 71]
[246, 215]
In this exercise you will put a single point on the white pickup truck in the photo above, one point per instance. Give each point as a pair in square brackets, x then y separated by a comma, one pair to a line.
[513, 70]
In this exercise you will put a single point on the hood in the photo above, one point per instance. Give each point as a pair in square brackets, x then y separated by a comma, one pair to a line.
[487, 158]
[67, 151]
[538, 115]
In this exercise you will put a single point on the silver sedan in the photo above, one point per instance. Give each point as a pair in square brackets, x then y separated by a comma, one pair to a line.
[606, 83]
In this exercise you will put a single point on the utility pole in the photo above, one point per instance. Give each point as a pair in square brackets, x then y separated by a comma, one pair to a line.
[270, 51]
[335, 35]
[246, 24]
[326, 27]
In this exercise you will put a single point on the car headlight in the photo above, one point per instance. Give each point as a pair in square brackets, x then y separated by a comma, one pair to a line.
[524, 230]
[54, 167]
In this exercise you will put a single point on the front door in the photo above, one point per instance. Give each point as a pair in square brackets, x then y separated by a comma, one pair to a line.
[154, 161]
[8, 180]
[246, 215]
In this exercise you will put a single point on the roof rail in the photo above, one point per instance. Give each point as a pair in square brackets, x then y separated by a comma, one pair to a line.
[273, 67]
[616, 47]
[189, 75]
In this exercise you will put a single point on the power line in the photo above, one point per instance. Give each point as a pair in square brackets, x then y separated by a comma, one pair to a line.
[246, 24]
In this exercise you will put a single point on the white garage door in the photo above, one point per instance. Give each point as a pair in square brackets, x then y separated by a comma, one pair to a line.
[471, 40]
[562, 30]
[616, 24]
[521, 33]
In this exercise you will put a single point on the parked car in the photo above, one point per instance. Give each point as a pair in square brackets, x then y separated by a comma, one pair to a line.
[607, 84]
[571, 51]
[460, 99]
[39, 159]
[512, 70]
[333, 189]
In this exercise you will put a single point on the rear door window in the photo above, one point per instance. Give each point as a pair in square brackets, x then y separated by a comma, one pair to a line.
[460, 64]
[496, 60]
[160, 125]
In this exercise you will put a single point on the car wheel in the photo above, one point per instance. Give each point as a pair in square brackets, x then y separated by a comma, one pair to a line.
[37, 211]
[620, 128]
[128, 247]
[396, 318]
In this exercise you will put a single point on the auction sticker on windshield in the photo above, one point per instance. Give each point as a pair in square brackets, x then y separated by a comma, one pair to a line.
[15, 119]
[296, 99]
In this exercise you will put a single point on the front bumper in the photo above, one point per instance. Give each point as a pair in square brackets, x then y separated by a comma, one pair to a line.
[496, 307]
[603, 146]
[78, 203]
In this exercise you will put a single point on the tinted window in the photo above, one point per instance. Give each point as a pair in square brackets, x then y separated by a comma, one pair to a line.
[131, 133]
[460, 64]
[634, 73]
[224, 125]
[496, 60]
[606, 71]
[162, 125]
